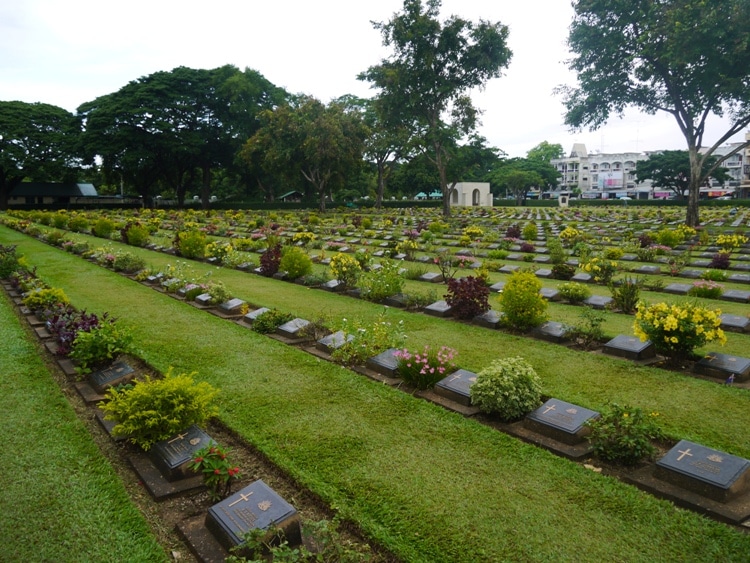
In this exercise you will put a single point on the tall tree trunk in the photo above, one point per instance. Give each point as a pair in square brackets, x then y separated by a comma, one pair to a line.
[381, 186]
[692, 216]
[443, 182]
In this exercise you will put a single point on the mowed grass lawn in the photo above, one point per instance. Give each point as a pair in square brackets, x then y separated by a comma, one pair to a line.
[428, 484]
[60, 498]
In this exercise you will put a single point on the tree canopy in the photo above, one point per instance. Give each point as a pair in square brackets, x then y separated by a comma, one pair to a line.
[424, 86]
[169, 125]
[37, 142]
[671, 170]
[518, 175]
[321, 143]
[689, 58]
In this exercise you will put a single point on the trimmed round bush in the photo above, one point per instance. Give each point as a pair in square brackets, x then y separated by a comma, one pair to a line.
[521, 303]
[508, 387]
[295, 262]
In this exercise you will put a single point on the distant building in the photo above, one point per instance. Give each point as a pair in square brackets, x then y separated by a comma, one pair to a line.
[734, 166]
[471, 194]
[31, 193]
[601, 175]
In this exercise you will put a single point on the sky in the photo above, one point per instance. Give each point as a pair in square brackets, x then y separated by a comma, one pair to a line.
[68, 53]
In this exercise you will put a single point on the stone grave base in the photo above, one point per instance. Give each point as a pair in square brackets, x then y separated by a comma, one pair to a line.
[156, 484]
[203, 545]
[377, 376]
[575, 452]
[88, 393]
[733, 512]
[447, 403]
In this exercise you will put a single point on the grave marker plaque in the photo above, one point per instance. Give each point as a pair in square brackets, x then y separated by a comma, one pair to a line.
[489, 319]
[384, 363]
[116, 374]
[678, 288]
[551, 331]
[438, 309]
[736, 296]
[333, 341]
[707, 472]
[172, 456]
[257, 506]
[561, 421]
[292, 328]
[735, 323]
[630, 347]
[724, 366]
[252, 315]
[457, 386]
[598, 301]
[232, 306]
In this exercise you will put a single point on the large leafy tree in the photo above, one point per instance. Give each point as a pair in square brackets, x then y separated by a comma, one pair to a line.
[671, 170]
[425, 85]
[689, 58]
[545, 152]
[321, 143]
[37, 142]
[172, 126]
[518, 175]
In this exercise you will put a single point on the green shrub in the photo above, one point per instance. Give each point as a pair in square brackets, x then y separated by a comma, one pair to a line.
[521, 303]
[155, 409]
[369, 339]
[191, 244]
[508, 387]
[269, 321]
[588, 331]
[295, 262]
[530, 231]
[383, 282]
[626, 294]
[706, 289]
[128, 262]
[563, 271]
[43, 298]
[137, 235]
[78, 223]
[613, 253]
[623, 435]
[714, 275]
[59, 220]
[557, 253]
[497, 254]
[104, 227]
[218, 292]
[100, 345]
[574, 292]
[8, 261]
[55, 238]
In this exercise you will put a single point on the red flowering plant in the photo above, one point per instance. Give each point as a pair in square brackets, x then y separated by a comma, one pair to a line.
[218, 472]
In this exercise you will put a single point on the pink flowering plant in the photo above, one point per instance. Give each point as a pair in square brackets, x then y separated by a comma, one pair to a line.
[424, 369]
[218, 472]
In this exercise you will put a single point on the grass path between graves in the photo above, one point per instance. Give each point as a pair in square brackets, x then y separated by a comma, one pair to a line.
[61, 499]
[426, 483]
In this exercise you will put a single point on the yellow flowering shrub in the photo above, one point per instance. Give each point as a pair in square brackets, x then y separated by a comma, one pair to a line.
[570, 235]
[345, 268]
[678, 329]
[730, 242]
[474, 232]
[601, 269]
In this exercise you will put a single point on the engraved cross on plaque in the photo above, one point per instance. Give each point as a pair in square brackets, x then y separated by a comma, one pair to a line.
[244, 497]
[549, 408]
[684, 453]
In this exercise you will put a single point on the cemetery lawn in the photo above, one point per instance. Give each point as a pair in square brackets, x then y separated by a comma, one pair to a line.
[427, 484]
[61, 499]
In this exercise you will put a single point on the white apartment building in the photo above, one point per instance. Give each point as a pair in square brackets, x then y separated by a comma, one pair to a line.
[601, 175]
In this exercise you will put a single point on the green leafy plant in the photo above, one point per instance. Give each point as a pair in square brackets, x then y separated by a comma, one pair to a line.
[8, 261]
[269, 321]
[714, 275]
[624, 434]
[42, 298]
[588, 331]
[155, 409]
[574, 292]
[424, 369]
[295, 262]
[135, 234]
[99, 345]
[128, 262]
[706, 289]
[508, 387]
[521, 303]
[377, 284]
[217, 470]
[368, 339]
[103, 227]
[626, 294]
[191, 244]
[78, 223]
